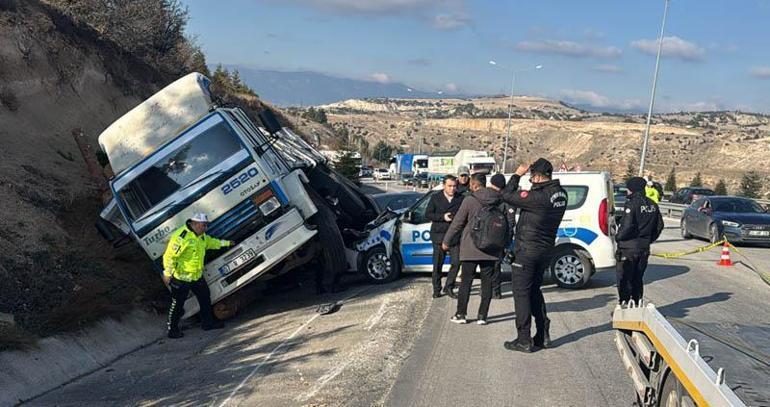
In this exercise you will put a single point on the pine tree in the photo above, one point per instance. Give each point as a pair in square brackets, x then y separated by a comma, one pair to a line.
[671, 180]
[751, 185]
[696, 181]
[348, 165]
[721, 188]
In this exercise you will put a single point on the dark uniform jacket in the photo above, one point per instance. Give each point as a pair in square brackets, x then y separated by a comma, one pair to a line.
[641, 224]
[542, 209]
[437, 207]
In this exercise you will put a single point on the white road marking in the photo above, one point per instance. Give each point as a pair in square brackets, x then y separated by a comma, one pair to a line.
[377, 316]
[276, 349]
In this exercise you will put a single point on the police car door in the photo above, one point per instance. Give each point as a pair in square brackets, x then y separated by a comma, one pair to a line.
[416, 247]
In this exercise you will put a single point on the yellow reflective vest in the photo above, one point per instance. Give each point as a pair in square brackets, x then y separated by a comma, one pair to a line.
[652, 193]
[183, 259]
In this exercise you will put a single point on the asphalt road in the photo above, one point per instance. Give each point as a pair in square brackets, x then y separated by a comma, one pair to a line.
[393, 345]
[467, 364]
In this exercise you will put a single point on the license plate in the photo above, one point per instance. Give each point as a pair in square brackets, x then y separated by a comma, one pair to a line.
[759, 233]
[242, 259]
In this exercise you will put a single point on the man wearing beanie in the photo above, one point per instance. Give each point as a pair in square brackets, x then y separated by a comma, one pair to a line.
[641, 224]
[497, 183]
[542, 208]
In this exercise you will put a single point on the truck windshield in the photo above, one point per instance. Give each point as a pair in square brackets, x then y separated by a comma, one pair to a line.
[194, 156]
[423, 163]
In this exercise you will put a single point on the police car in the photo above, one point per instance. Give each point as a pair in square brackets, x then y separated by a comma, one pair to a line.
[400, 241]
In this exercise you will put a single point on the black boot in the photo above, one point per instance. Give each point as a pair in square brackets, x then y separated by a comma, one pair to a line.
[543, 339]
[175, 333]
[519, 346]
[449, 291]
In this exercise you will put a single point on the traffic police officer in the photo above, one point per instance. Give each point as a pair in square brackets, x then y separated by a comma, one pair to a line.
[183, 272]
[650, 191]
[641, 224]
[541, 211]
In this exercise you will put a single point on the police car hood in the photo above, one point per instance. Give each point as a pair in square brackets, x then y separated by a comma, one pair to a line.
[488, 197]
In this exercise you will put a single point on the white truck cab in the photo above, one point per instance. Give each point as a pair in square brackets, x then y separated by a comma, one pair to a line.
[177, 154]
[584, 243]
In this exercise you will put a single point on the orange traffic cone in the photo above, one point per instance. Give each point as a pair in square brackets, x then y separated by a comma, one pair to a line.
[725, 260]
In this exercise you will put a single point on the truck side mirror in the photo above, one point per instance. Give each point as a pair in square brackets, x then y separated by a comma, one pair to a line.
[270, 122]
[111, 234]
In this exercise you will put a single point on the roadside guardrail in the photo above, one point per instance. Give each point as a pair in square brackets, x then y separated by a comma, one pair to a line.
[675, 211]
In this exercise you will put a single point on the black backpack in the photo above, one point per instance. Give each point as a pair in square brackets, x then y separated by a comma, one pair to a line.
[490, 229]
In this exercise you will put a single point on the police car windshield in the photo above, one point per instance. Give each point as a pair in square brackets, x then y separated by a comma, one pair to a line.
[207, 149]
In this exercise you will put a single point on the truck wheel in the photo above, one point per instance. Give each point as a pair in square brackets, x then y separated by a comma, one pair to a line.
[378, 267]
[673, 394]
[571, 268]
[332, 246]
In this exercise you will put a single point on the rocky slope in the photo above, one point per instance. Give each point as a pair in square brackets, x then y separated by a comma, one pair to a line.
[56, 273]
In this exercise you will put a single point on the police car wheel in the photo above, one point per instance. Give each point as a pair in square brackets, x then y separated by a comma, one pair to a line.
[571, 268]
[683, 229]
[378, 267]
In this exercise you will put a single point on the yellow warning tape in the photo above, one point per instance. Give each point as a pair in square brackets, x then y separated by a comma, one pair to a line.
[693, 251]
[765, 276]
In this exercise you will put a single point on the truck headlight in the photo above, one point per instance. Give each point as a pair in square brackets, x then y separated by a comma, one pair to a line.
[269, 206]
[731, 224]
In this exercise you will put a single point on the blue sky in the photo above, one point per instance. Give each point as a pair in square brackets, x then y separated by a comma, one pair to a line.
[597, 52]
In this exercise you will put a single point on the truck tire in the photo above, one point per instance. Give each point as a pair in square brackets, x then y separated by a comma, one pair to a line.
[571, 267]
[333, 259]
[378, 267]
[673, 394]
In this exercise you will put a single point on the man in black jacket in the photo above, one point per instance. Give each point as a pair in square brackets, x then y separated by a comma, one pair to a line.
[641, 224]
[463, 180]
[441, 209]
[542, 208]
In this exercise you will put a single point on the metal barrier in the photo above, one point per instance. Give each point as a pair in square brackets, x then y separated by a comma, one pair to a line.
[672, 210]
[675, 211]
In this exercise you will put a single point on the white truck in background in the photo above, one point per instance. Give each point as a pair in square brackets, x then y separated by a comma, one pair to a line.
[267, 190]
[419, 164]
[440, 164]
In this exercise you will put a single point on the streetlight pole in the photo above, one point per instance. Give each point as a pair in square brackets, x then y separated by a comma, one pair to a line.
[654, 88]
[510, 109]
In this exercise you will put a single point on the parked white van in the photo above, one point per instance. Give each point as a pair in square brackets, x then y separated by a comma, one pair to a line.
[585, 241]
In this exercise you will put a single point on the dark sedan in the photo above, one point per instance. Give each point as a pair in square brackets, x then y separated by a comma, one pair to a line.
[740, 220]
[396, 200]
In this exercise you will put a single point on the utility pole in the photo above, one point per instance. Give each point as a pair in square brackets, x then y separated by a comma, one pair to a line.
[654, 88]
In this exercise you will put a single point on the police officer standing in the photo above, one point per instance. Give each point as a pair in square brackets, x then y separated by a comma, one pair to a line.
[650, 191]
[441, 209]
[542, 208]
[183, 272]
[641, 224]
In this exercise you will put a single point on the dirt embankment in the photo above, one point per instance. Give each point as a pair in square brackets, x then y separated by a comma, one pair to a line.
[56, 273]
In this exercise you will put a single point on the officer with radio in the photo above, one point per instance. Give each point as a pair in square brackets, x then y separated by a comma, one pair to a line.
[183, 272]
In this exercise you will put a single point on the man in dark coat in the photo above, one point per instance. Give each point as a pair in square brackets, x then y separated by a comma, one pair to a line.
[641, 224]
[442, 207]
[472, 257]
[542, 209]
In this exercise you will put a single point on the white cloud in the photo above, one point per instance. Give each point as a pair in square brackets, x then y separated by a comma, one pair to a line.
[608, 68]
[599, 101]
[380, 77]
[451, 87]
[450, 22]
[569, 48]
[673, 47]
[762, 72]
